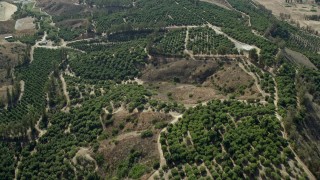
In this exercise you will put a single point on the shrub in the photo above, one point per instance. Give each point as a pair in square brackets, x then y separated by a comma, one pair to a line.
[137, 171]
[146, 134]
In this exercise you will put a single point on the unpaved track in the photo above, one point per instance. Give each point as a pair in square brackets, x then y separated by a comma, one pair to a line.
[37, 127]
[65, 92]
[263, 93]
[244, 14]
[186, 51]
[43, 39]
[127, 135]
[16, 170]
[175, 119]
[22, 84]
[85, 152]
[239, 45]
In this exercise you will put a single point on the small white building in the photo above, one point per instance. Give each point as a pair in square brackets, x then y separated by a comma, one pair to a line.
[8, 37]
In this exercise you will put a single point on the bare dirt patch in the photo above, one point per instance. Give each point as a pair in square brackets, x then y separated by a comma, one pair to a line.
[193, 81]
[187, 94]
[73, 23]
[6, 10]
[6, 27]
[11, 54]
[180, 70]
[295, 10]
[116, 153]
[232, 79]
[124, 121]
[299, 58]
[60, 7]
[25, 24]
[3, 91]
[221, 3]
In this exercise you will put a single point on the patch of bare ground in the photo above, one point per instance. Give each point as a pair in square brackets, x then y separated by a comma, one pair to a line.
[115, 152]
[232, 79]
[3, 91]
[192, 81]
[6, 27]
[84, 154]
[25, 24]
[180, 70]
[297, 11]
[124, 121]
[7, 10]
[60, 7]
[221, 3]
[11, 53]
[187, 94]
[73, 23]
[298, 58]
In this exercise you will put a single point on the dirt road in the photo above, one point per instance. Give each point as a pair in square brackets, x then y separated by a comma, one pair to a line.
[65, 92]
[263, 93]
[163, 162]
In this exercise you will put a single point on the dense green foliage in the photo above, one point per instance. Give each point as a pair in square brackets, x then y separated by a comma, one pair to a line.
[17, 119]
[7, 164]
[206, 41]
[57, 147]
[129, 35]
[117, 66]
[232, 139]
[221, 140]
[171, 44]
[286, 87]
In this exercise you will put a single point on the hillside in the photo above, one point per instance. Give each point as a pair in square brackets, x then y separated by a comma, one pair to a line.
[148, 89]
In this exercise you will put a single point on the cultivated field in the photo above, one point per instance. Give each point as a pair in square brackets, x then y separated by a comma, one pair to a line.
[24, 24]
[6, 11]
[296, 11]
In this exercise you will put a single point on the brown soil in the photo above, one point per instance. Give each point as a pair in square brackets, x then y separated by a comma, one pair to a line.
[230, 78]
[187, 94]
[7, 27]
[10, 54]
[135, 121]
[298, 58]
[200, 80]
[73, 23]
[3, 91]
[221, 3]
[116, 153]
[295, 10]
[186, 71]
[60, 7]
[25, 24]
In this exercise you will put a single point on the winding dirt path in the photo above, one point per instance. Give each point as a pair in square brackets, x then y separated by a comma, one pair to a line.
[16, 170]
[22, 84]
[244, 14]
[239, 45]
[127, 135]
[85, 152]
[163, 162]
[65, 92]
[43, 39]
[263, 93]
[37, 127]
